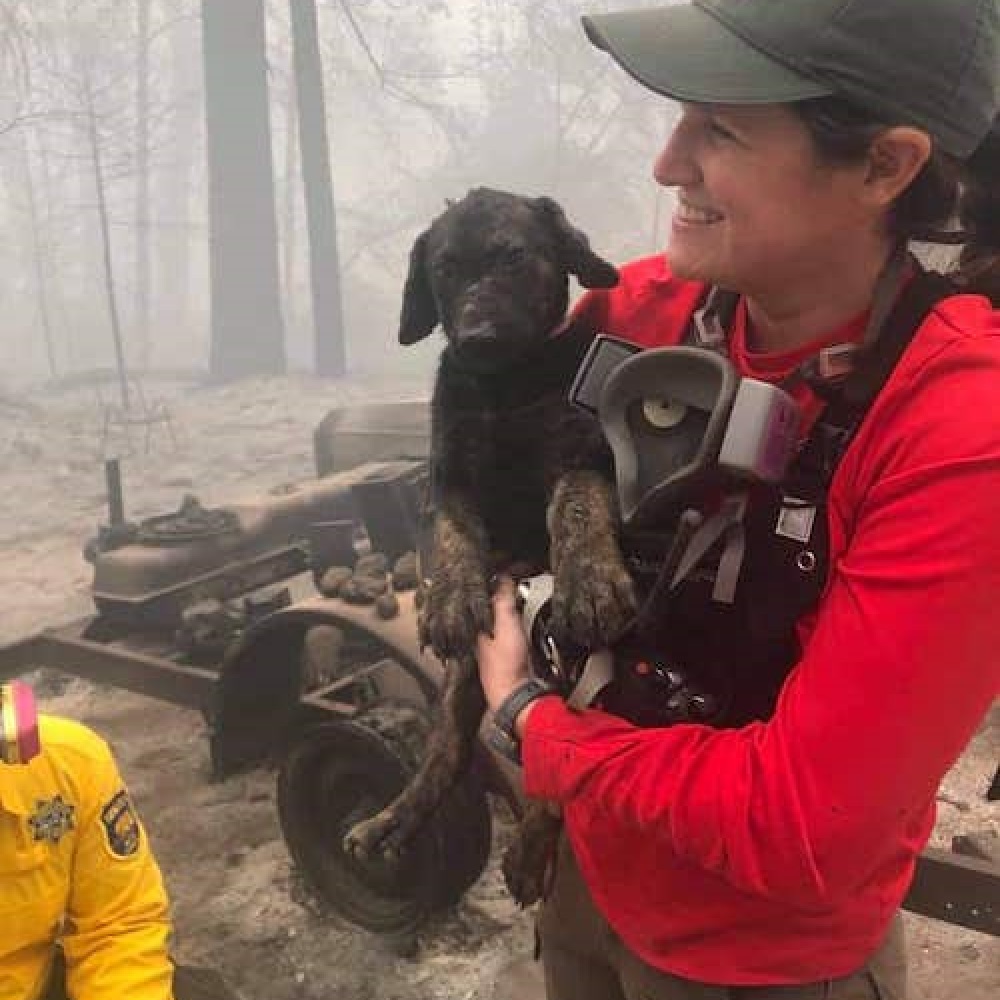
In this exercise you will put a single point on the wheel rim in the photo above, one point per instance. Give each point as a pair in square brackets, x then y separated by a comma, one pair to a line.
[343, 773]
[339, 773]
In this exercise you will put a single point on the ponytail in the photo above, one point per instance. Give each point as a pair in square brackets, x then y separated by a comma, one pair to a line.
[979, 214]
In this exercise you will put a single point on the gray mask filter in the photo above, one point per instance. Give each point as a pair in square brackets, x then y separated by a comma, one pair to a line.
[677, 418]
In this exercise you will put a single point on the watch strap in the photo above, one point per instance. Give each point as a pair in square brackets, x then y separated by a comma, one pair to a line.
[503, 734]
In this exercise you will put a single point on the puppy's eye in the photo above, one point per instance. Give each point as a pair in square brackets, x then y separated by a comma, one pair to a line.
[442, 266]
[516, 255]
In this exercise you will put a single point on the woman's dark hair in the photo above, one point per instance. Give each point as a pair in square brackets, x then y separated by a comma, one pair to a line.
[946, 188]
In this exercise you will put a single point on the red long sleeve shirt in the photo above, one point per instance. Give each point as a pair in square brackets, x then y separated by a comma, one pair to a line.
[778, 853]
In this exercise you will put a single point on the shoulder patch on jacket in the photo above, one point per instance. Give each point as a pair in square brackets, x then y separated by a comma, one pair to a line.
[121, 825]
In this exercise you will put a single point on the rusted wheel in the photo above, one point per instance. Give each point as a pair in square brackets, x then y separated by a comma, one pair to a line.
[337, 773]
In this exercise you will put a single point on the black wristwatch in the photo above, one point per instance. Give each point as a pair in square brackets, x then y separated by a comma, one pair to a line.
[502, 735]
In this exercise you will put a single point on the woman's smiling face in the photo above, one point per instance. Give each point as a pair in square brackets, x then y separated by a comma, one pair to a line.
[755, 204]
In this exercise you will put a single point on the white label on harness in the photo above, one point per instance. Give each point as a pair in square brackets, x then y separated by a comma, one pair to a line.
[795, 520]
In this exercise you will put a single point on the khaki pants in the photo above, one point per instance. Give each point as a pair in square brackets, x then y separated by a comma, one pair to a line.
[584, 959]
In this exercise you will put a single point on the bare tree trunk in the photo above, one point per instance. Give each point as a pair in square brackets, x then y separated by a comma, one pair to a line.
[49, 185]
[39, 247]
[247, 328]
[289, 227]
[109, 272]
[173, 290]
[142, 242]
[324, 263]
[85, 268]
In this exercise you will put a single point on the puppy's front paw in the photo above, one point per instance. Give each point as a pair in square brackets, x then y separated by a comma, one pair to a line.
[387, 834]
[528, 863]
[457, 607]
[593, 600]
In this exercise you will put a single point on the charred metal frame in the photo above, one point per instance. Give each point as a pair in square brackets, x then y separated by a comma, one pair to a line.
[956, 889]
[67, 650]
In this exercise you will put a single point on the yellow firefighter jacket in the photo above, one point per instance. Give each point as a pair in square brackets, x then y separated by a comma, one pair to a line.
[76, 868]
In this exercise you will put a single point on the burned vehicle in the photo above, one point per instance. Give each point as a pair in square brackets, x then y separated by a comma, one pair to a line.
[223, 610]
[289, 622]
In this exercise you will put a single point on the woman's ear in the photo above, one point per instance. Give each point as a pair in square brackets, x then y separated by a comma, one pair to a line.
[895, 158]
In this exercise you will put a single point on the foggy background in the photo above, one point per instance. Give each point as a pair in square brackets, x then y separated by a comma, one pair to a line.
[109, 207]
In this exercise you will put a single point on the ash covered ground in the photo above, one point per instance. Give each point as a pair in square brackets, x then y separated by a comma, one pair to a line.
[238, 904]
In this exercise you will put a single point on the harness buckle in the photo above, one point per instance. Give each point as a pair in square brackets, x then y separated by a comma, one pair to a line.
[836, 362]
[708, 327]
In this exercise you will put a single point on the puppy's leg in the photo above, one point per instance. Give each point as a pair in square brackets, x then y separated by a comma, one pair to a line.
[593, 601]
[457, 604]
[449, 751]
[527, 862]
[594, 597]
[456, 607]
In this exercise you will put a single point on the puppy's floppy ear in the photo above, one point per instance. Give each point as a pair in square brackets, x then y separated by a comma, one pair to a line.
[579, 259]
[419, 314]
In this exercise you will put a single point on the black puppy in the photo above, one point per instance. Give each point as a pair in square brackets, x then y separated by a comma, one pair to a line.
[519, 475]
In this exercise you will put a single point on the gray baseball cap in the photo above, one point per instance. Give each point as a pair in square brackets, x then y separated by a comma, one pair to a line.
[934, 64]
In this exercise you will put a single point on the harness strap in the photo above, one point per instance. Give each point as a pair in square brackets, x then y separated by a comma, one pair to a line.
[726, 523]
[597, 673]
[824, 373]
[880, 357]
[712, 320]
[849, 403]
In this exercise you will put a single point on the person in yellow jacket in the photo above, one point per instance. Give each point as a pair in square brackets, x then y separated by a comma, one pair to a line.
[83, 911]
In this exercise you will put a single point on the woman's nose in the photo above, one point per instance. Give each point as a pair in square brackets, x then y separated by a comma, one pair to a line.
[675, 166]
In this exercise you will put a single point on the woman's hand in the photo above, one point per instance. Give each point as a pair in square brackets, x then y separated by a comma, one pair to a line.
[504, 659]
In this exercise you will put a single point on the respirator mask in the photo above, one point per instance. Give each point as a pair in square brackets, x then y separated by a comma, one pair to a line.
[683, 426]
[678, 418]
[19, 742]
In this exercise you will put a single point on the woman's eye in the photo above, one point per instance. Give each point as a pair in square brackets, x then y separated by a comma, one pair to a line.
[720, 131]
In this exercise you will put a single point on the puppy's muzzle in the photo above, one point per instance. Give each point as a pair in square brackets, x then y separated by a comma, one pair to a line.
[481, 348]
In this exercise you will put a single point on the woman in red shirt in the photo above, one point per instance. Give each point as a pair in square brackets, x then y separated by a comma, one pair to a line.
[816, 138]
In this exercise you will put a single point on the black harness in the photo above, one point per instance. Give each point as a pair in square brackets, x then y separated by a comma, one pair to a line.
[724, 662]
